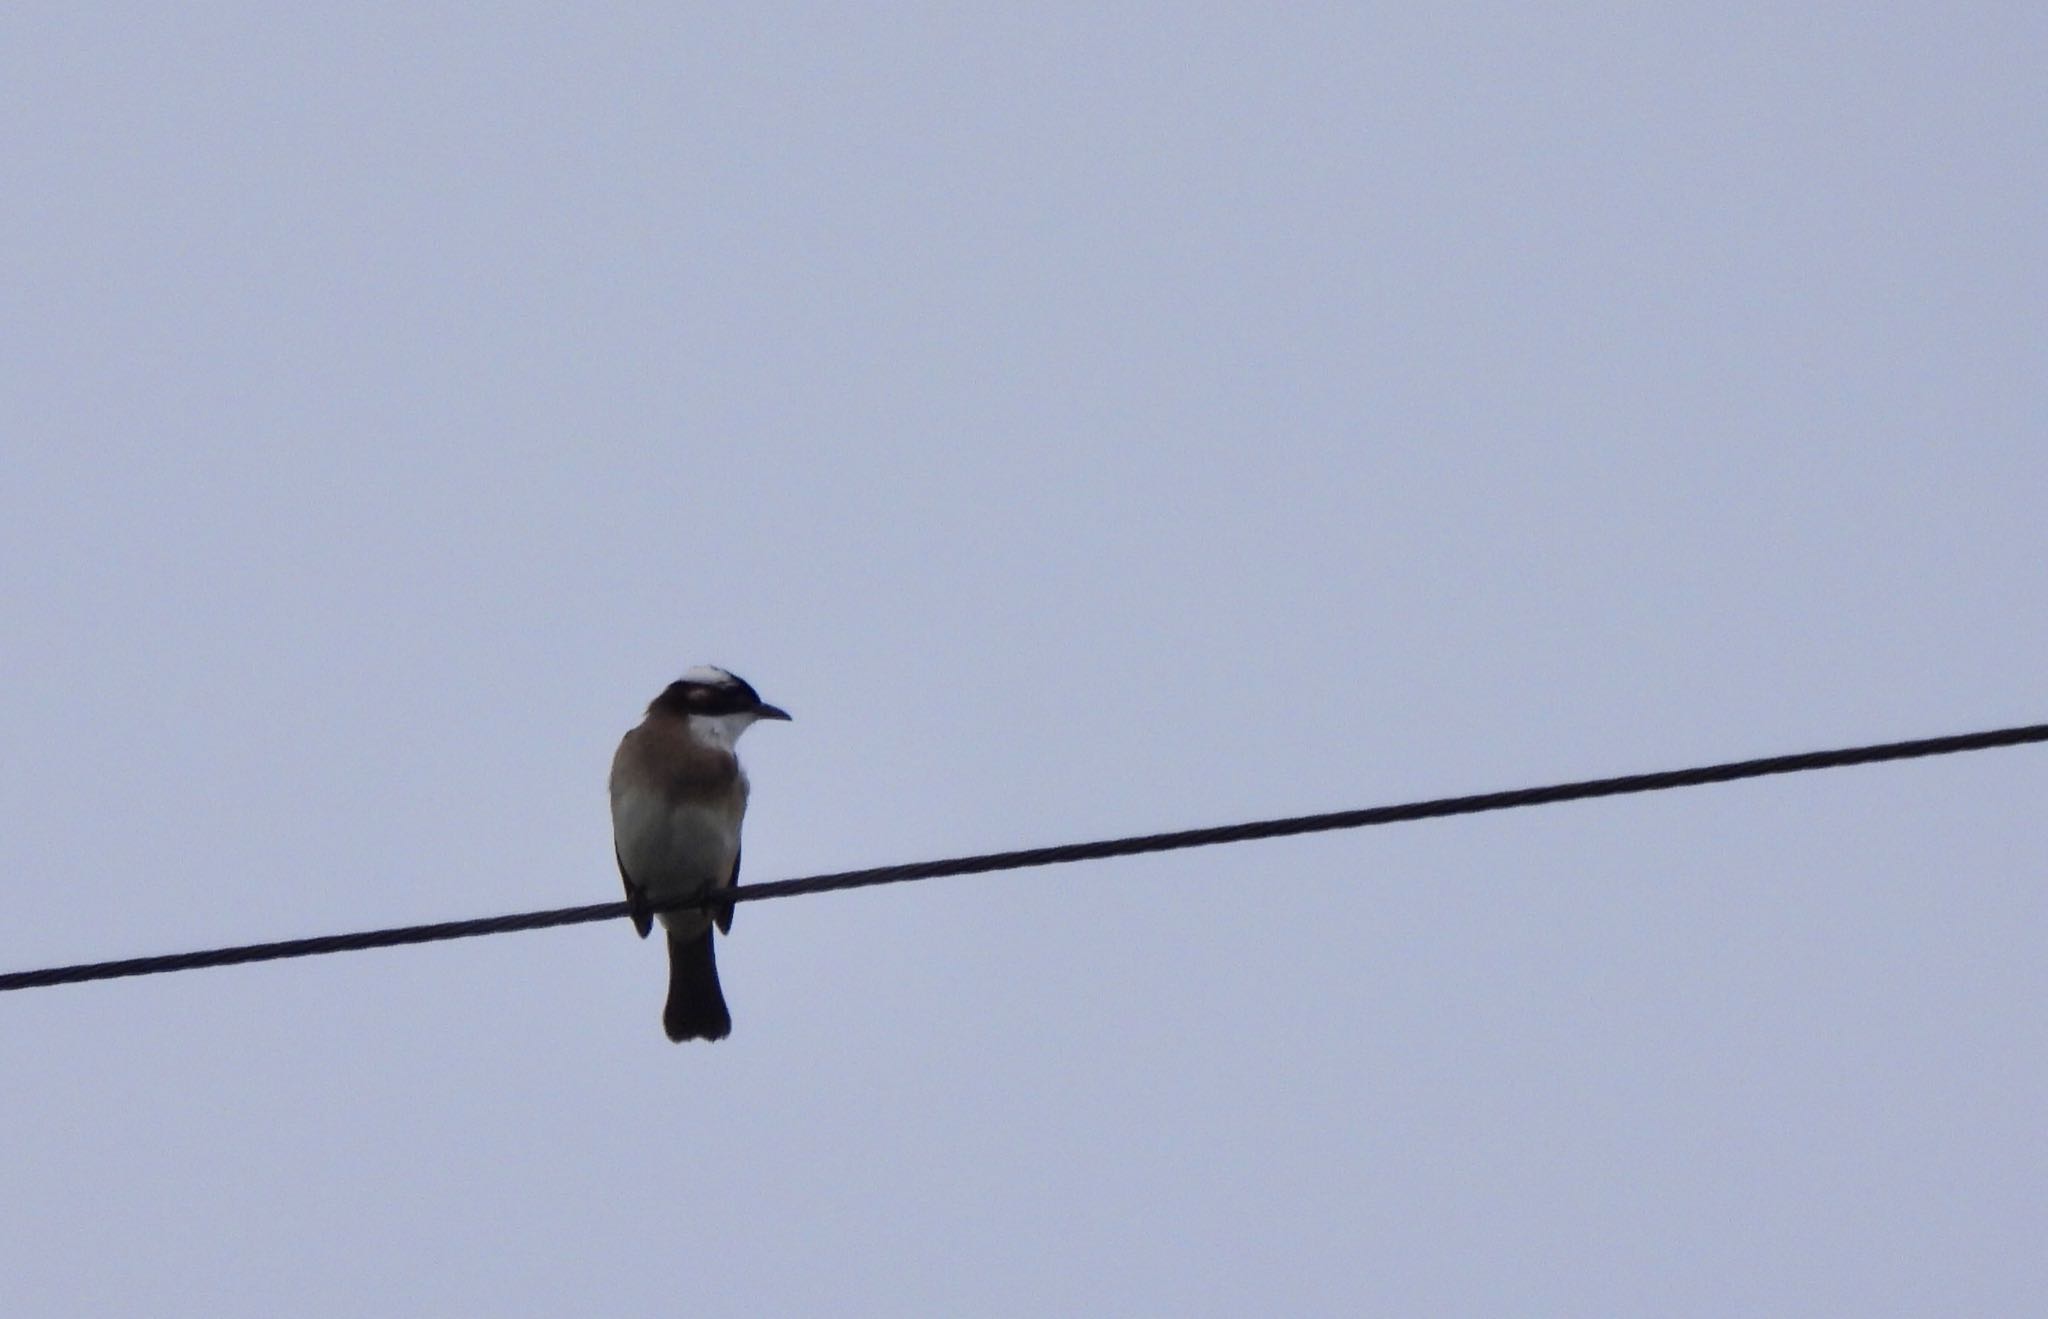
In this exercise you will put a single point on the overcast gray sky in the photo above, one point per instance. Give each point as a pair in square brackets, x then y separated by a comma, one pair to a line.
[1086, 420]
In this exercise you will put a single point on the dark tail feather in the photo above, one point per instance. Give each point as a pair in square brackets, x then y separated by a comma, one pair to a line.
[696, 1005]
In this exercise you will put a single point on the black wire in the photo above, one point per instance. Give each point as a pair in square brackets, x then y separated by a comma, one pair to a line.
[1047, 856]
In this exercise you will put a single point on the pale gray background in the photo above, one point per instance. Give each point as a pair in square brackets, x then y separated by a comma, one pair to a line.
[1086, 419]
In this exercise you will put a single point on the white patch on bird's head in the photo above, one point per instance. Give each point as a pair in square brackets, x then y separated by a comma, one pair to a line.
[711, 676]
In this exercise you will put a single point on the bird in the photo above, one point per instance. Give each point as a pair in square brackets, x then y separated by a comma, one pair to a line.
[678, 797]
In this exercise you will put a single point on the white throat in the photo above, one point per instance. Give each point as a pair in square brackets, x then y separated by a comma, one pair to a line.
[720, 730]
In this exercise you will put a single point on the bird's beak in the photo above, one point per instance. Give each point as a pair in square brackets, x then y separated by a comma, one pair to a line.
[767, 711]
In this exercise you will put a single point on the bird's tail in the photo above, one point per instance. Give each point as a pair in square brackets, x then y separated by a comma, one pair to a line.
[696, 1005]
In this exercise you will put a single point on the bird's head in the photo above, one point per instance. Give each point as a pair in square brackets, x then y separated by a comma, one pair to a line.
[717, 703]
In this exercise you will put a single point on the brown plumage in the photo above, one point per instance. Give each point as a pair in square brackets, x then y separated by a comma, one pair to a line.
[662, 754]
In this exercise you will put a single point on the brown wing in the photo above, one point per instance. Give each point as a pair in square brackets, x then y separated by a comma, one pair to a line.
[636, 898]
[724, 914]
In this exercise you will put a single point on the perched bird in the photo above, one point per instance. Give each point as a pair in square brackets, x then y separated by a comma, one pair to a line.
[678, 796]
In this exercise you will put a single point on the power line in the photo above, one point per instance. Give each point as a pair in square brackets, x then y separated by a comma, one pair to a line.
[1727, 772]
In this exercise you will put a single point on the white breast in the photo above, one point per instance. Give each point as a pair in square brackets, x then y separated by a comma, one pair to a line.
[674, 851]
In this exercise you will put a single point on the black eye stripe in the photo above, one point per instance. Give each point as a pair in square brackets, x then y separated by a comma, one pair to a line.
[718, 700]
[707, 698]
